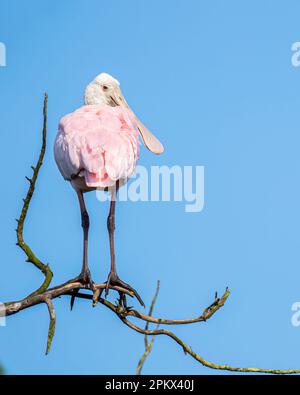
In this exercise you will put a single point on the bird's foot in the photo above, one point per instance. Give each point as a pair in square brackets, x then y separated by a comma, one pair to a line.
[84, 278]
[113, 279]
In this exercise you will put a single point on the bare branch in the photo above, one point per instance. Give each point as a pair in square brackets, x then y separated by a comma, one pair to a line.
[148, 346]
[31, 257]
[152, 307]
[51, 330]
[207, 313]
[12, 308]
[68, 288]
[198, 358]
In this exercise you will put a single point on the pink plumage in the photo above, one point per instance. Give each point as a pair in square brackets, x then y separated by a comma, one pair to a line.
[97, 146]
[98, 143]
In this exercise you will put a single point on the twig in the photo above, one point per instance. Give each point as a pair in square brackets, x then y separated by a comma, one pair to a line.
[148, 346]
[51, 330]
[207, 313]
[197, 357]
[31, 257]
[151, 310]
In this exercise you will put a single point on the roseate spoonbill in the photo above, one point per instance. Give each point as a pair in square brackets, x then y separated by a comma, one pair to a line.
[97, 148]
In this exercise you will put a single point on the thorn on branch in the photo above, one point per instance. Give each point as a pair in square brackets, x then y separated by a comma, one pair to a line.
[72, 301]
[96, 295]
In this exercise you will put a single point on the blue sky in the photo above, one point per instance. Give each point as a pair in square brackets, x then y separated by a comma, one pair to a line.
[214, 80]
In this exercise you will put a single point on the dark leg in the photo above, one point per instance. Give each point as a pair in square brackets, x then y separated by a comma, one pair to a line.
[85, 223]
[85, 276]
[113, 278]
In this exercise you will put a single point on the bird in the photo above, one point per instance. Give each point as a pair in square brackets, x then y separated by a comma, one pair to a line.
[97, 147]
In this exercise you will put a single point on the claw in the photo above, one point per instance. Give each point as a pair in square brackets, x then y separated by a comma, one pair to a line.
[113, 279]
[86, 280]
[123, 300]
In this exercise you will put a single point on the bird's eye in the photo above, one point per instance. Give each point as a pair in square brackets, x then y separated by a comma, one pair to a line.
[105, 87]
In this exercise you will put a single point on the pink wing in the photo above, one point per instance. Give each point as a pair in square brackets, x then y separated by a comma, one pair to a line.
[99, 143]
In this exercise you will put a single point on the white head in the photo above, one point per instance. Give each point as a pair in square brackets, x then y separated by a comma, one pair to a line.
[105, 90]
